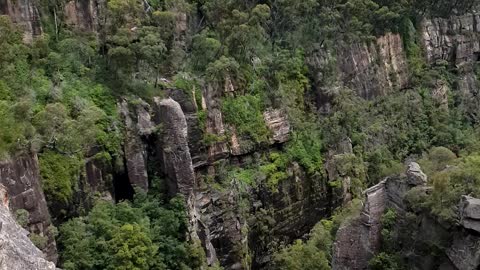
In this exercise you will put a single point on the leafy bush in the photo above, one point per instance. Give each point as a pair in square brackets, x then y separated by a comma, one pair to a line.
[59, 176]
[141, 235]
[245, 114]
[313, 254]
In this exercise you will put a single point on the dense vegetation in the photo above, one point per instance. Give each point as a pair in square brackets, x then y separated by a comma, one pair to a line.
[67, 82]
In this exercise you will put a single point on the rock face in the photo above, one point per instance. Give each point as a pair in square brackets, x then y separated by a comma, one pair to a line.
[21, 178]
[25, 14]
[174, 154]
[415, 176]
[470, 213]
[359, 239]
[456, 41]
[17, 252]
[82, 14]
[278, 124]
[371, 70]
[134, 148]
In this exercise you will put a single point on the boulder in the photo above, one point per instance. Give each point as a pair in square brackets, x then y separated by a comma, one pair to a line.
[470, 213]
[415, 175]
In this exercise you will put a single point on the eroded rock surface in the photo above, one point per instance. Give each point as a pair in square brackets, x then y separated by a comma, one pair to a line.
[371, 70]
[21, 178]
[25, 14]
[82, 14]
[470, 213]
[17, 252]
[278, 124]
[174, 153]
[134, 148]
[359, 239]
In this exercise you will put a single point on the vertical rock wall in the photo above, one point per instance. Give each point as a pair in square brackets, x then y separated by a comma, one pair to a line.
[16, 250]
[370, 69]
[24, 13]
[21, 178]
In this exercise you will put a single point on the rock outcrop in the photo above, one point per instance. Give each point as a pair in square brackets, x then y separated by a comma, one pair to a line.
[134, 148]
[415, 175]
[277, 123]
[21, 178]
[174, 153]
[359, 239]
[25, 14]
[370, 69]
[470, 213]
[17, 252]
[82, 14]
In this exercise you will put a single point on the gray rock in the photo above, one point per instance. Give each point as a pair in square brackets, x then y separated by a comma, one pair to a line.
[465, 251]
[471, 207]
[415, 175]
[134, 149]
[470, 213]
[371, 70]
[174, 153]
[451, 38]
[17, 252]
[21, 178]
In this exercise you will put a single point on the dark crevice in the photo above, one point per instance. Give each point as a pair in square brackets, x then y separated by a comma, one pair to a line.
[123, 190]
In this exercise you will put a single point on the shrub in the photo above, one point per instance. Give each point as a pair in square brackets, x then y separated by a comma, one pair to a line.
[245, 114]
[59, 175]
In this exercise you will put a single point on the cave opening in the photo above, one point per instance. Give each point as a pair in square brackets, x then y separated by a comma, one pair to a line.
[122, 188]
[476, 56]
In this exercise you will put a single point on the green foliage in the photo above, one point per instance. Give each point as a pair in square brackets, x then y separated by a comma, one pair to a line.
[245, 113]
[38, 240]
[314, 254]
[384, 261]
[59, 176]
[275, 170]
[139, 235]
[305, 147]
[437, 159]
[22, 217]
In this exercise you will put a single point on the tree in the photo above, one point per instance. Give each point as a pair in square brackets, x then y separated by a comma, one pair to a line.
[131, 248]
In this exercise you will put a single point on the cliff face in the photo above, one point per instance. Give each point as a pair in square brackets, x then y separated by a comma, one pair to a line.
[230, 222]
[359, 239]
[456, 41]
[24, 13]
[370, 69]
[17, 251]
[21, 178]
[237, 223]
